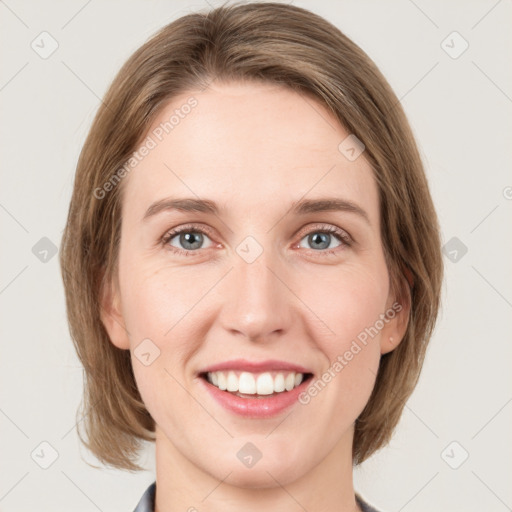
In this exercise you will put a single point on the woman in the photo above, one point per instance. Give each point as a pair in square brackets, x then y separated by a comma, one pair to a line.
[251, 261]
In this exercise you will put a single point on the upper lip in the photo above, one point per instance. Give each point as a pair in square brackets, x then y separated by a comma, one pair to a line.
[256, 366]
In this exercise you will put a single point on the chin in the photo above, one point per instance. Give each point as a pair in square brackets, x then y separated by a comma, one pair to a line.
[271, 470]
[261, 477]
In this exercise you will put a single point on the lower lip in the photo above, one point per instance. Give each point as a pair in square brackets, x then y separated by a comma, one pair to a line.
[256, 407]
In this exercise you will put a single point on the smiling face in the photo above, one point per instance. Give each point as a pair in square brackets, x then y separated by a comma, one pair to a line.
[263, 271]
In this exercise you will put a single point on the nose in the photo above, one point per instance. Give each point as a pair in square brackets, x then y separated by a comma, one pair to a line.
[257, 303]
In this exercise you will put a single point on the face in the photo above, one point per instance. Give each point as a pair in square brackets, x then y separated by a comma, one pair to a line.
[267, 285]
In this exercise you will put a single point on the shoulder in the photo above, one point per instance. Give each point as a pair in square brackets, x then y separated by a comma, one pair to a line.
[365, 507]
[147, 502]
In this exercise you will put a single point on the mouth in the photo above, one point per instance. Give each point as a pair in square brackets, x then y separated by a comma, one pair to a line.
[255, 390]
[254, 385]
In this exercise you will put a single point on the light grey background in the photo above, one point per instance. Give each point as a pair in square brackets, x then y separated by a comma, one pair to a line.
[460, 110]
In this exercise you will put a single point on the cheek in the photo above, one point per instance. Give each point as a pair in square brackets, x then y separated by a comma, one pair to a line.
[161, 308]
[158, 301]
[349, 304]
[347, 301]
[156, 310]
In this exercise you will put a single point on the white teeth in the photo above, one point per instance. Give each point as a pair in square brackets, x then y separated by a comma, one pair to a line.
[246, 384]
[289, 382]
[265, 384]
[255, 384]
[279, 383]
[232, 382]
[221, 381]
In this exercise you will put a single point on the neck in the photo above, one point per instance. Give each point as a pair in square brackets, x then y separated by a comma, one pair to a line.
[181, 485]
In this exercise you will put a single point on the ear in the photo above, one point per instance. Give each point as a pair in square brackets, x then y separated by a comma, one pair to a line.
[398, 308]
[111, 315]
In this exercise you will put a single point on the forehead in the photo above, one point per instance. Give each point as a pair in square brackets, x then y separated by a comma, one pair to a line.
[247, 145]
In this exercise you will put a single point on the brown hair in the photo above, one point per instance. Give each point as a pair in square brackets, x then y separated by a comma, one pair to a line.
[270, 42]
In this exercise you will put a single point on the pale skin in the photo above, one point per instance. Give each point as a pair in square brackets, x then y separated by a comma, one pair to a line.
[254, 149]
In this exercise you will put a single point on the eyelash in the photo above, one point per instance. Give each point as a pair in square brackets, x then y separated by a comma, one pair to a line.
[340, 234]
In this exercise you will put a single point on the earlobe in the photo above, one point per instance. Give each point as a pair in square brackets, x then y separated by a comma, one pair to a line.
[111, 316]
[395, 330]
[389, 344]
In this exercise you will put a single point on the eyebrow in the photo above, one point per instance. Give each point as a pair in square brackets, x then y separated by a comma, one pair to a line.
[301, 207]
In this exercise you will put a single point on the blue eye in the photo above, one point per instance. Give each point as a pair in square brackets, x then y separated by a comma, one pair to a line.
[321, 240]
[189, 239]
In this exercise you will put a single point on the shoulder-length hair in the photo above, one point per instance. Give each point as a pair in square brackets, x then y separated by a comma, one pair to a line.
[269, 42]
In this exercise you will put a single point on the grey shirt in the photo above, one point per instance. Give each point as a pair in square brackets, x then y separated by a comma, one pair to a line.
[147, 502]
